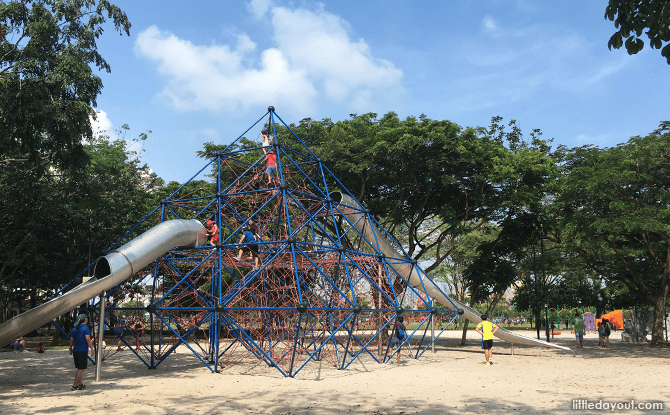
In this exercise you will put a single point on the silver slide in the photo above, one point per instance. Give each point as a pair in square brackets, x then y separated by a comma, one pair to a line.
[378, 241]
[110, 270]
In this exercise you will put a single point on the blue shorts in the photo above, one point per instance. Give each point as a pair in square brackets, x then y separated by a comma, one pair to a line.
[271, 171]
[579, 335]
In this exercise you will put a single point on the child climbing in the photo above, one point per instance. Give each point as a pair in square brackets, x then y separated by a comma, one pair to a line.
[271, 160]
[212, 232]
[266, 138]
[248, 240]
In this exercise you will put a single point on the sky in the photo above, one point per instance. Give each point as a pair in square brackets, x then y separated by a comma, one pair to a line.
[207, 70]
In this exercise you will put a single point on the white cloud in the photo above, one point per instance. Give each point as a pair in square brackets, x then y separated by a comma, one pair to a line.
[213, 77]
[211, 134]
[244, 43]
[313, 56]
[319, 43]
[101, 123]
[259, 8]
[492, 27]
[103, 127]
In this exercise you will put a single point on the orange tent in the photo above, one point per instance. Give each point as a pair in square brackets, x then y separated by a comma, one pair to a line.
[615, 317]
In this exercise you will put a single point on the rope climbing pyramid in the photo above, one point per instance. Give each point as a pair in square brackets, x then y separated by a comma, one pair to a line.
[294, 270]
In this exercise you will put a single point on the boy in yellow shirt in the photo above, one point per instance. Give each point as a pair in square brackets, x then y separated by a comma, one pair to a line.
[486, 330]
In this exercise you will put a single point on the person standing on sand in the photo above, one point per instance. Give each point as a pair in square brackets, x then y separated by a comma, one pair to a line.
[80, 342]
[604, 333]
[139, 331]
[486, 329]
[399, 333]
[578, 326]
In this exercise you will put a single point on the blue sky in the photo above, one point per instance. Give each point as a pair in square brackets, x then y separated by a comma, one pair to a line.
[207, 70]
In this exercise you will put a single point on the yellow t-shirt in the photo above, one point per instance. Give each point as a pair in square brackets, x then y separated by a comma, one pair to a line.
[486, 327]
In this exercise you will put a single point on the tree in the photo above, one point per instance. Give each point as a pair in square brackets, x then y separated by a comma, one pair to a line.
[47, 94]
[632, 17]
[432, 181]
[47, 86]
[50, 222]
[615, 211]
[424, 178]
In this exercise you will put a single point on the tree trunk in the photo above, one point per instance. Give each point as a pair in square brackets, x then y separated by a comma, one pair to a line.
[465, 331]
[659, 319]
[473, 300]
[496, 298]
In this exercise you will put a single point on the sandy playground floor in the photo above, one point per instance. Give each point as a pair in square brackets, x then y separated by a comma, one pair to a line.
[451, 381]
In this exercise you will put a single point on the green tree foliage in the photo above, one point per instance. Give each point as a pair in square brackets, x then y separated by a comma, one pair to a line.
[432, 181]
[50, 221]
[633, 17]
[463, 250]
[424, 178]
[616, 215]
[47, 84]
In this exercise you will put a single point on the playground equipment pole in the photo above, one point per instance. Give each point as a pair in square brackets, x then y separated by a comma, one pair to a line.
[432, 331]
[546, 320]
[544, 280]
[536, 312]
[101, 338]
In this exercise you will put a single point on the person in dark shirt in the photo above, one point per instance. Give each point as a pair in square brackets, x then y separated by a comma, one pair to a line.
[138, 328]
[248, 241]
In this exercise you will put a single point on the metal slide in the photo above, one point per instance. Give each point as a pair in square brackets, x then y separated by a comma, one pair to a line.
[110, 270]
[410, 273]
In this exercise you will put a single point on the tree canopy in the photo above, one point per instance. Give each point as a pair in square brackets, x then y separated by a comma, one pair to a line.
[51, 222]
[47, 85]
[616, 214]
[633, 17]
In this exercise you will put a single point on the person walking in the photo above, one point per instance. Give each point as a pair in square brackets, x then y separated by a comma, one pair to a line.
[80, 342]
[486, 329]
[578, 326]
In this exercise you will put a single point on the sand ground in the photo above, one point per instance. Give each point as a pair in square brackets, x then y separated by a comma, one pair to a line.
[452, 380]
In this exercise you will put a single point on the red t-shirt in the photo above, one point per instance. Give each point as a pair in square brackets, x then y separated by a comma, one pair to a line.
[271, 158]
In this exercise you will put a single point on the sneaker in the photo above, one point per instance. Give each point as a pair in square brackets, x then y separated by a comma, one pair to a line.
[25, 351]
[487, 364]
[256, 268]
[236, 259]
[16, 351]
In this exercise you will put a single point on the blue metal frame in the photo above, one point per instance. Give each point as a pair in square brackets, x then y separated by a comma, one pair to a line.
[327, 295]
